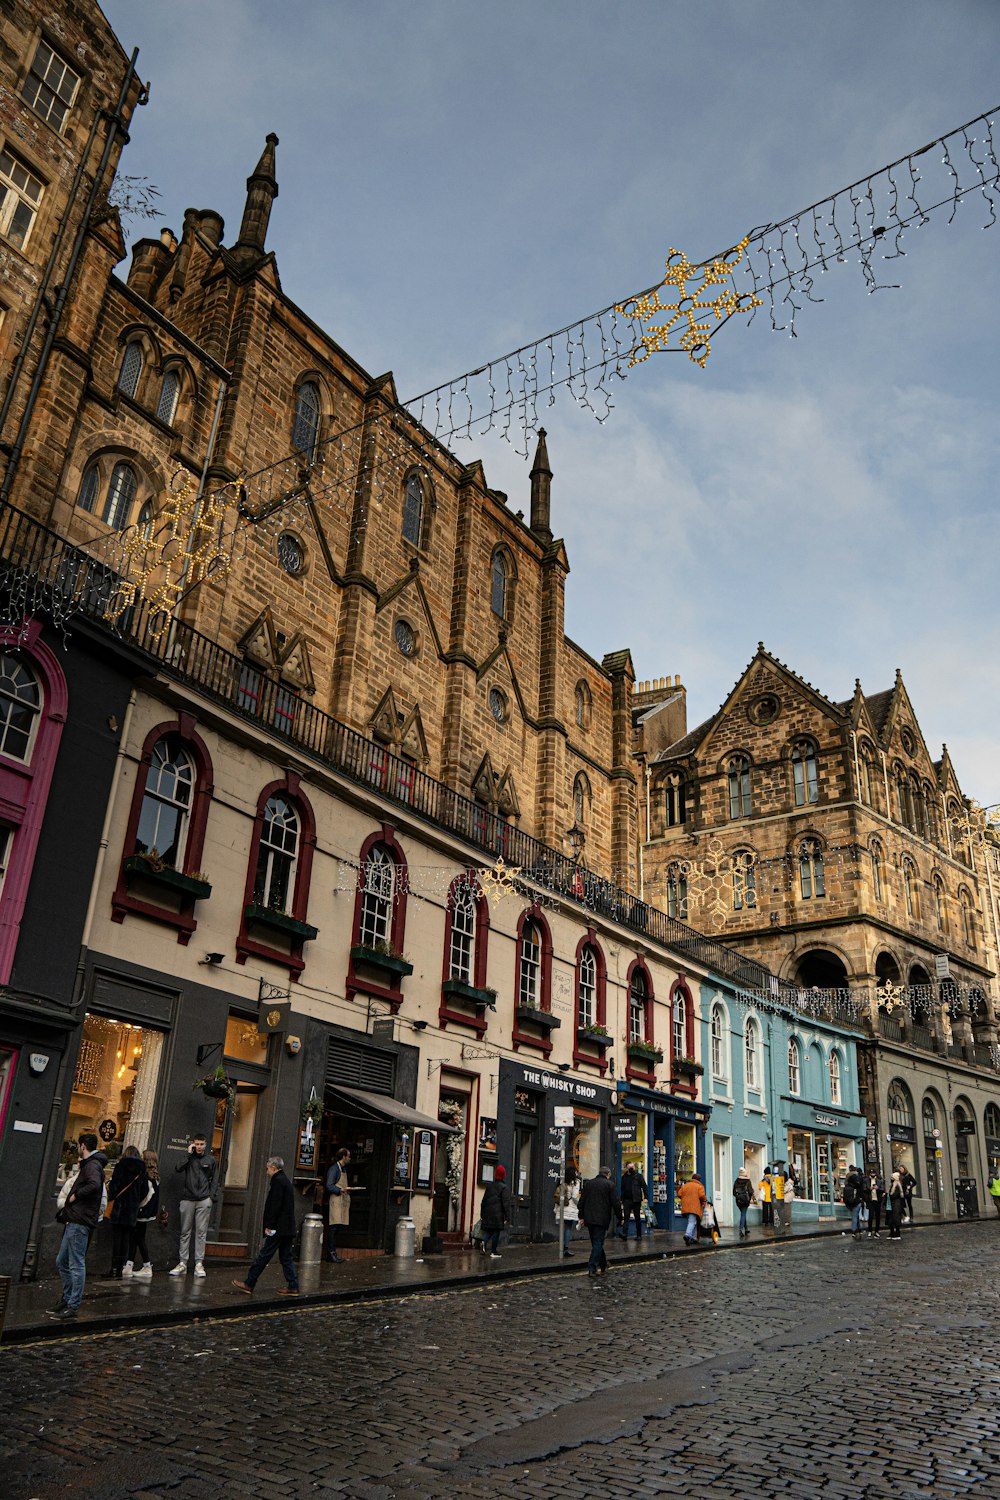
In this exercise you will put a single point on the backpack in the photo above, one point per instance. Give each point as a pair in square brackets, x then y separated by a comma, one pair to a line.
[742, 1193]
[850, 1192]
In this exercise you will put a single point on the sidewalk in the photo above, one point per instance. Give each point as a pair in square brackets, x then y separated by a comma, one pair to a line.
[110, 1306]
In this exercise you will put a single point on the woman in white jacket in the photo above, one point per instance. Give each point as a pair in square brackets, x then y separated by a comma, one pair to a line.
[568, 1200]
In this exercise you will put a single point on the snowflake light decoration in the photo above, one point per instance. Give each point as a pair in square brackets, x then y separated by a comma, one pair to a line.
[498, 882]
[696, 336]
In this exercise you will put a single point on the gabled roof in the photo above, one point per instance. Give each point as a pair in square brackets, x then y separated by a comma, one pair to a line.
[690, 742]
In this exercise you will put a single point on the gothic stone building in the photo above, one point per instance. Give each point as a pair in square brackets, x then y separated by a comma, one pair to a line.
[824, 839]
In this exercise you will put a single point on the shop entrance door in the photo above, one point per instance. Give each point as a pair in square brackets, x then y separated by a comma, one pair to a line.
[722, 1171]
[935, 1177]
[232, 1147]
[369, 1173]
[525, 1170]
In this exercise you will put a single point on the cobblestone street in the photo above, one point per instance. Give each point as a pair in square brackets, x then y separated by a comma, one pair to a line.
[818, 1368]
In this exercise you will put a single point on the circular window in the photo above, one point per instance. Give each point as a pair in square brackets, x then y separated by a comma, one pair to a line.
[290, 553]
[909, 743]
[764, 710]
[498, 705]
[405, 638]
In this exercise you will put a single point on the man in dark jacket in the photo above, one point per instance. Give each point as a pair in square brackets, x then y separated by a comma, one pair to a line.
[200, 1190]
[600, 1207]
[634, 1194]
[80, 1213]
[279, 1231]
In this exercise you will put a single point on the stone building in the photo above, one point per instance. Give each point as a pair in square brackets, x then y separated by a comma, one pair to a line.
[824, 839]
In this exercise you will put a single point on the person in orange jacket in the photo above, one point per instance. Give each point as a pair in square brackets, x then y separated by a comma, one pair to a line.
[692, 1196]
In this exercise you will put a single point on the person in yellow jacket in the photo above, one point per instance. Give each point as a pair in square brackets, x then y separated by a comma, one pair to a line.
[692, 1200]
[778, 1195]
[995, 1189]
[766, 1203]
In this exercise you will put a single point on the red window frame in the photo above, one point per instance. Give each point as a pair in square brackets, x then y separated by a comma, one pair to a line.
[447, 1012]
[355, 983]
[633, 1069]
[246, 946]
[520, 1038]
[599, 1058]
[680, 987]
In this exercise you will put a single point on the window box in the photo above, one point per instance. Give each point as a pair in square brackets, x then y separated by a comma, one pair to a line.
[392, 963]
[138, 867]
[642, 1052]
[543, 1018]
[457, 989]
[280, 921]
[600, 1039]
[688, 1067]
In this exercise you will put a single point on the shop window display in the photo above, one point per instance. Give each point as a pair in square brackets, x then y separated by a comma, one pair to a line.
[244, 1041]
[634, 1151]
[755, 1160]
[683, 1159]
[115, 1083]
[800, 1154]
[585, 1147]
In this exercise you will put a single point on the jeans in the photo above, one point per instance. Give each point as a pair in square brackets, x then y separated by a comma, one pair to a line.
[630, 1209]
[856, 1218]
[569, 1230]
[875, 1215]
[691, 1232]
[743, 1217]
[195, 1214]
[491, 1241]
[282, 1243]
[598, 1260]
[71, 1263]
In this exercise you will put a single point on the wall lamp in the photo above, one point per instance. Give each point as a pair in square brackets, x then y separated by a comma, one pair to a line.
[212, 960]
[564, 1067]
[419, 1025]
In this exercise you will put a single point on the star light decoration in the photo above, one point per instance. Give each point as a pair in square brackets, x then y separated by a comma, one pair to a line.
[499, 881]
[696, 338]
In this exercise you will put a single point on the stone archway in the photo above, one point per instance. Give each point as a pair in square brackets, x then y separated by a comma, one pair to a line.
[820, 969]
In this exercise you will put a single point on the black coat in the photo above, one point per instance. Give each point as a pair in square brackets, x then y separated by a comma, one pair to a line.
[600, 1205]
[127, 1187]
[495, 1210]
[634, 1189]
[83, 1206]
[279, 1208]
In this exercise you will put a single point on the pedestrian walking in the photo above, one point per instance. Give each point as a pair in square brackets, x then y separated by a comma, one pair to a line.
[744, 1195]
[791, 1192]
[853, 1198]
[139, 1266]
[634, 1194]
[494, 1212]
[338, 1202]
[876, 1203]
[568, 1202]
[995, 1190]
[693, 1200]
[907, 1182]
[600, 1209]
[778, 1195]
[198, 1192]
[896, 1203]
[79, 1213]
[766, 1205]
[279, 1232]
[126, 1190]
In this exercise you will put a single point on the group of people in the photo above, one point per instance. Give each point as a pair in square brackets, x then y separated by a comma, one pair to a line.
[868, 1198]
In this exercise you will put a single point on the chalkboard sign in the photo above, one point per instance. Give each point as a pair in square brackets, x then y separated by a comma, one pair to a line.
[423, 1168]
[306, 1154]
[401, 1171]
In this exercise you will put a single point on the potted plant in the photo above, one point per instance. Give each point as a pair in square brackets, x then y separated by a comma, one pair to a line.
[644, 1052]
[593, 1032]
[433, 1244]
[543, 1018]
[149, 865]
[689, 1066]
[382, 955]
[216, 1085]
[280, 920]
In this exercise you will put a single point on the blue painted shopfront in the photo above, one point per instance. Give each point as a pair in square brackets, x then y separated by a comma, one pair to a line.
[666, 1145]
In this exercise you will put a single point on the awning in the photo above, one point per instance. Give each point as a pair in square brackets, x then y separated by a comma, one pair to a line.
[382, 1107]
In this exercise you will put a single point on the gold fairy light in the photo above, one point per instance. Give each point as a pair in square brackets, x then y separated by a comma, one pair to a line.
[690, 303]
[498, 881]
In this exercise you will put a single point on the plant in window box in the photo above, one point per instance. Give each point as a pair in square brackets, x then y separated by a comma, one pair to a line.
[149, 865]
[216, 1085]
[281, 920]
[459, 989]
[644, 1052]
[543, 1018]
[592, 1032]
[689, 1066]
[382, 955]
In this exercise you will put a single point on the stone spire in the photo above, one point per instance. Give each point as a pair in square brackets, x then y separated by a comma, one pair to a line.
[262, 189]
[541, 490]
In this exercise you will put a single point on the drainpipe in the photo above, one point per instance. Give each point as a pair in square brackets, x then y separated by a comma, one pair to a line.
[116, 127]
[770, 1089]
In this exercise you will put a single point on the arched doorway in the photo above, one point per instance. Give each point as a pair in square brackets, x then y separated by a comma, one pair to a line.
[887, 971]
[932, 1114]
[820, 969]
[921, 994]
[902, 1128]
[965, 1129]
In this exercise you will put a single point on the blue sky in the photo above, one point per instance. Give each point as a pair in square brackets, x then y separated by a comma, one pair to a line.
[460, 176]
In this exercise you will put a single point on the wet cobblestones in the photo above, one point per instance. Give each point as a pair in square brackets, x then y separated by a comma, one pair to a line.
[822, 1368]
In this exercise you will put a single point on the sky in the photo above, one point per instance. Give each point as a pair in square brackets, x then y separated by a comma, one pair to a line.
[459, 177]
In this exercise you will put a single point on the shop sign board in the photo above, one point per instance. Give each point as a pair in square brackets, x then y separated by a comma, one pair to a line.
[555, 1083]
[423, 1168]
[965, 1127]
[562, 1116]
[904, 1133]
[623, 1127]
[305, 1156]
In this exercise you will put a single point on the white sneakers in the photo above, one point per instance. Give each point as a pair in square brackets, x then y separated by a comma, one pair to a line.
[199, 1269]
[180, 1269]
[127, 1272]
[144, 1273]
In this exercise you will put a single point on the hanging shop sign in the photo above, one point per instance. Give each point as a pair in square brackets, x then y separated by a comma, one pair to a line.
[305, 1155]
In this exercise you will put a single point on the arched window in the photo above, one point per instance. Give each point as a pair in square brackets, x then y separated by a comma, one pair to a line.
[276, 855]
[867, 768]
[638, 996]
[910, 889]
[751, 1052]
[900, 1106]
[144, 522]
[166, 803]
[794, 1067]
[812, 876]
[877, 868]
[968, 924]
[676, 801]
[740, 803]
[805, 776]
[991, 1119]
[121, 493]
[499, 580]
[586, 988]
[529, 966]
[583, 704]
[928, 1114]
[581, 798]
[131, 369]
[937, 890]
[377, 894]
[677, 893]
[170, 389]
[413, 511]
[834, 1077]
[305, 425]
[462, 935]
[678, 1035]
[744, 879]
[720, 1050]
[20, 707]
[87, 499]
